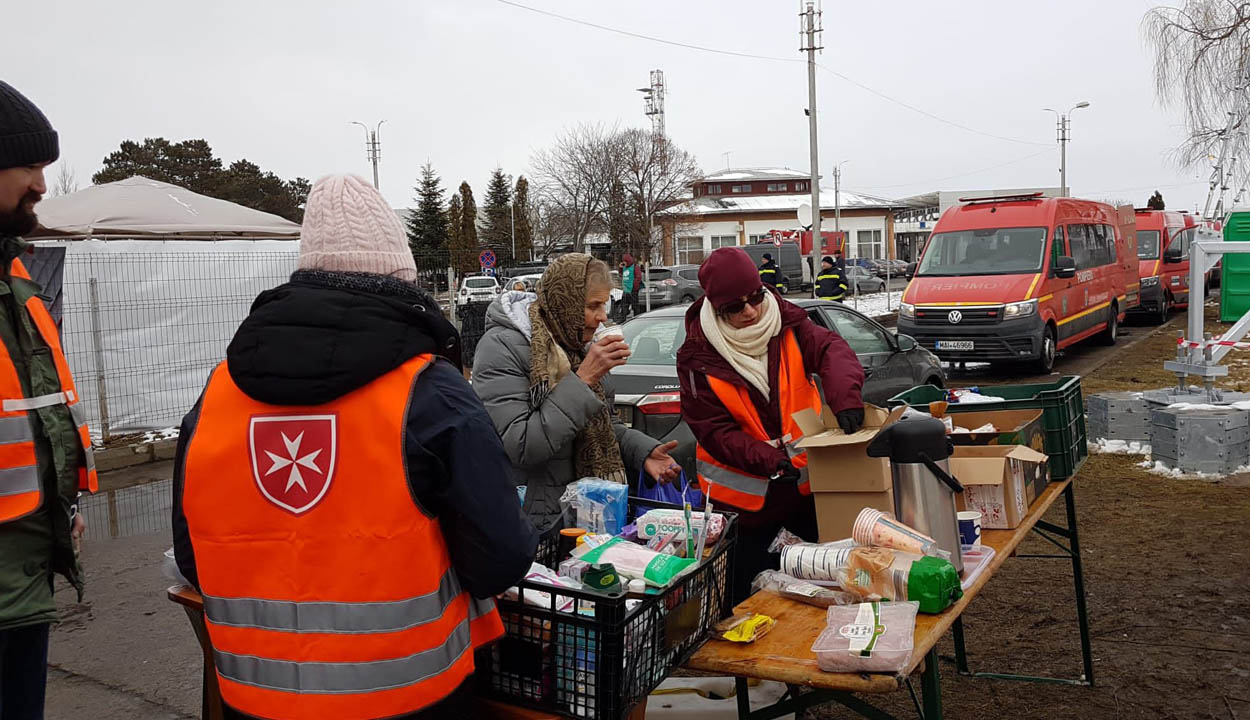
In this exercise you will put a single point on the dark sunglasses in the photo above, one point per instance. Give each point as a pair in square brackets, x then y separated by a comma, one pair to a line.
[737, 306]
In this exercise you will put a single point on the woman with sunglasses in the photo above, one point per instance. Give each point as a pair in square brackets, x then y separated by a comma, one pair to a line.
[745, 369]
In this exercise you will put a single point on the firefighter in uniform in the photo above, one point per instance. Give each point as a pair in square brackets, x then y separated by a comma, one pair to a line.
[744, 371]
[342, 501]
[770, 273]
[831, 283]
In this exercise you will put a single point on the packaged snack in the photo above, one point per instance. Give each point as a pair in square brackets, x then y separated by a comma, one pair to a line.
[868, 637]
[801, 590]
[635, 561]
[662, 521]
[744, 628]
[882, 574]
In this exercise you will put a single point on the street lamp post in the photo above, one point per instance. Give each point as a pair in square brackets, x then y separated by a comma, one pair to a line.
[1062, 129]
[373, 147]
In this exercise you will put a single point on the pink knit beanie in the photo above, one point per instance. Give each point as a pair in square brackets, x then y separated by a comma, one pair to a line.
[348, 227]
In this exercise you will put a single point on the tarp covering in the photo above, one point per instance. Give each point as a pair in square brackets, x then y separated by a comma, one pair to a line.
[138, 207]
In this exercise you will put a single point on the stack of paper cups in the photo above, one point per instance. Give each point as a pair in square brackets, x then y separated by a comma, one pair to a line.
[813, 562]
[873, 527]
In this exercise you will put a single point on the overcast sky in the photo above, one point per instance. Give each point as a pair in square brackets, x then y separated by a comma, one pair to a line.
[471, 84]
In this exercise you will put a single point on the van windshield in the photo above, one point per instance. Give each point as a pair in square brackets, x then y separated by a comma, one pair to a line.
[997, 251]
[1148, 244]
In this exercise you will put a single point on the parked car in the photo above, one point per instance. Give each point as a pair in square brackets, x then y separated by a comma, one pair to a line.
[1163, 263]
[891, 268]
[531, 281]
[863, 279]
[1019, 278]
[670, 285]
[648, 392]
[478, 289]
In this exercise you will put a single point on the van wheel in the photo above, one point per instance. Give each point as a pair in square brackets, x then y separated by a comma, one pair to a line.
[1109, 336]
[782, 289]
[1045, 363]
[687, 298]
[1165, 306]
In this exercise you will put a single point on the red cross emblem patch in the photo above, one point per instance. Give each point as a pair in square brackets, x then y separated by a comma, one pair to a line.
[293, 458]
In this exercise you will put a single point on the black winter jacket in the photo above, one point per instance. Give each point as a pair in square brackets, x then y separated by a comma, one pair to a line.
[323, 335]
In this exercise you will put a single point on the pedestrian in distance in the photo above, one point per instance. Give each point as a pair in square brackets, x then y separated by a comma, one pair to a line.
[831, 283]
[341, 500]
[631, 288]
[545, 383]
[744, 370]
[48, 459]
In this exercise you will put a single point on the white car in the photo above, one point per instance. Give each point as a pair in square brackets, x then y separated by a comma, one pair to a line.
[478, 289]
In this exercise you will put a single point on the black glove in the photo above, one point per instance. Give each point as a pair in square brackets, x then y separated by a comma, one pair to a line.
[787, 471]
[851, 420]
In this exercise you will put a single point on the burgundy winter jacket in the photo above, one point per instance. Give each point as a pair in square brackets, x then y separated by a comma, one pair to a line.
[824, 353]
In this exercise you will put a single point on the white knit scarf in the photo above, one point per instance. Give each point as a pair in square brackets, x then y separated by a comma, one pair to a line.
[745, 349]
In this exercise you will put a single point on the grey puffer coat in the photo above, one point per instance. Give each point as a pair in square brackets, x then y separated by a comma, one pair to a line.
[539, 440]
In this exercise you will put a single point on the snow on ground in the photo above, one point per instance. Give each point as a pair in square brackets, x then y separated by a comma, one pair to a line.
[875, 304]
[157, 435]
[1119, 447]
[1157, 467]
[1239, 405]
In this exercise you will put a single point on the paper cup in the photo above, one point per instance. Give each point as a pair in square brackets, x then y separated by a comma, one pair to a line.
[969, 527]
[875, 528]
[606, 330]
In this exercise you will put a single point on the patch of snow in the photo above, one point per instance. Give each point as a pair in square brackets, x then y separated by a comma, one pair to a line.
[1158, 468]
[1119, 447]
[158, 435]
[1239, 405]
[875, 304]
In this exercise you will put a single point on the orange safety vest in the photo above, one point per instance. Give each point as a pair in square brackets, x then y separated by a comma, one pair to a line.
[21, 493]
[328, 593]
[728, 484]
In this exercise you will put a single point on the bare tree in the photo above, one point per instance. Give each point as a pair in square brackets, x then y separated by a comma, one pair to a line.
[656, 174]
[1202, 58]
[65, 183]
[574, 177]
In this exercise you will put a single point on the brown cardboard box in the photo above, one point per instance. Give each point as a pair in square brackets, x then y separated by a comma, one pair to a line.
[844, 479]
[999, 481]
[836, 511]
[1011, 427]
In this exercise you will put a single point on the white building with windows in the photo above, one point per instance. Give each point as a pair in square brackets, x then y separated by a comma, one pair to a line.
[741, 206]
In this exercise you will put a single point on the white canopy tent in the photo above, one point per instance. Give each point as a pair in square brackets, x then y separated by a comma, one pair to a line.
[149, 281]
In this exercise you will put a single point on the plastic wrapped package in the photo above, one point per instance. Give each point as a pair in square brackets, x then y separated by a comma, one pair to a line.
[636, 561]
[801, 590]
[597, 505]
[882, 574]
[868, 637]
[814, 562]
[662, 521]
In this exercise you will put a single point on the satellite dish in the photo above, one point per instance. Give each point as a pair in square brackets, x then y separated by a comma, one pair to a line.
[805, 215]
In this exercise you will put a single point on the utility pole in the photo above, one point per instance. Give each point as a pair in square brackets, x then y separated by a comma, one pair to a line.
[373, 147]
[811, 30]
[653, 107]
[1063, 127]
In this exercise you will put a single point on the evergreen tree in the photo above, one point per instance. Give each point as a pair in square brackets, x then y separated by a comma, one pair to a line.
[1156, 201]
[497, 217]
[524, 229]
[454, 213]
[427, 223]
[464, 246]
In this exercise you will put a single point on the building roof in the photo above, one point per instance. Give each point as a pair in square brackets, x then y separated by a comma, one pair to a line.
[760, 173]
[779, 203]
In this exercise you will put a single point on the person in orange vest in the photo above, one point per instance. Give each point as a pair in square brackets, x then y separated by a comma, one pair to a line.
[46, 459]
[745, 369]
[341, 499]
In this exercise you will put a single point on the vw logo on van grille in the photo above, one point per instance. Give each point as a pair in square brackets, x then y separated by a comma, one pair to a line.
[955, 317]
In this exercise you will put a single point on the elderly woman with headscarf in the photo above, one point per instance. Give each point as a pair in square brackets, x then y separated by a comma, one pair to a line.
[545, 385]
[745, 369]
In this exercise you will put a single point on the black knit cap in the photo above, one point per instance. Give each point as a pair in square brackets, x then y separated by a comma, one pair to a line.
[26, 136]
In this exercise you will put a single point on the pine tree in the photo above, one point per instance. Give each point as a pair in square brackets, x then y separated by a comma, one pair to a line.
[464, 246]
[427, 222]
[497, 217]
[454, 213]
[1156, 201]
[524, 231]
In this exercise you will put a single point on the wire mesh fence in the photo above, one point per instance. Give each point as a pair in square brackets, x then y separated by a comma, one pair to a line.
[137, 510]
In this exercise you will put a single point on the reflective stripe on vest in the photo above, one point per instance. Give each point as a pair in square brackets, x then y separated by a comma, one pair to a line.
[21, 492]
[732, 485]
[349, 606]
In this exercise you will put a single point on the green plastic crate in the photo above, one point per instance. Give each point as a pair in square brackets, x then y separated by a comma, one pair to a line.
[1235, 270]
[1061, 403]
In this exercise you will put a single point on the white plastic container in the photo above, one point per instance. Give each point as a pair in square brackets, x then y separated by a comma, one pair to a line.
[868, 637]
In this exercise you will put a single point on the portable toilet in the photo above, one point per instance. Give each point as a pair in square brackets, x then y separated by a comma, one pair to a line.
[1235, 269]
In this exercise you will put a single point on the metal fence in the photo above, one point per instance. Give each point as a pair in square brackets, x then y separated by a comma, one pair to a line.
[137, 510]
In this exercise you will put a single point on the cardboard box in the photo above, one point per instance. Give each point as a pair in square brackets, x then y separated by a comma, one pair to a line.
[837, 462]
[1011, 427]
[836, 511]
[999, 481]
[844, 479]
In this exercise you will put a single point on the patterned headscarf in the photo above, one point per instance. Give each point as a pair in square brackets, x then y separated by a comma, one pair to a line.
[556, 349]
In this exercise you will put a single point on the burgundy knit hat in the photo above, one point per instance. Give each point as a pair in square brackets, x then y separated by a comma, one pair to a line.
[727, 275]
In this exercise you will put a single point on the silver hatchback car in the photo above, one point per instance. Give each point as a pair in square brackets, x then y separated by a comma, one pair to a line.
[671, 285]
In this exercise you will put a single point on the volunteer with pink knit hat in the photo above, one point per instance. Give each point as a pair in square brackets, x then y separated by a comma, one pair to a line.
[744, 370]
[339, 459]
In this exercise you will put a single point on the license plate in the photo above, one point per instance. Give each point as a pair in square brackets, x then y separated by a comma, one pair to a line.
[954, 345]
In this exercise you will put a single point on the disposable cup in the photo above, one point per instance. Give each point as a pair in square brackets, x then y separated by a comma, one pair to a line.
[969, 527]
[606, 330]
[873, 527]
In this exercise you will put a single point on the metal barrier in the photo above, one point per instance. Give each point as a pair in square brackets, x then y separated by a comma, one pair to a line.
[1198, 352]
[136, 510]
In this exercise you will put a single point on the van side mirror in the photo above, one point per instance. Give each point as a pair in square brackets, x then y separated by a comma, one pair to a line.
[1172, 255]
[906, 343]
[1064, 267]
[911, 271]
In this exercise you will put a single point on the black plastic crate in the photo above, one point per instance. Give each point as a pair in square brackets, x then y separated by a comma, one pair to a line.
[600, 666]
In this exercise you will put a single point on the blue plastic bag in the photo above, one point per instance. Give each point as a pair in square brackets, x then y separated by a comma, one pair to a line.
[596, 505]
[674, 493]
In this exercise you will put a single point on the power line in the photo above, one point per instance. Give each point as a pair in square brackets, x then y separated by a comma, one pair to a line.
[772, 58]
[952, 177]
